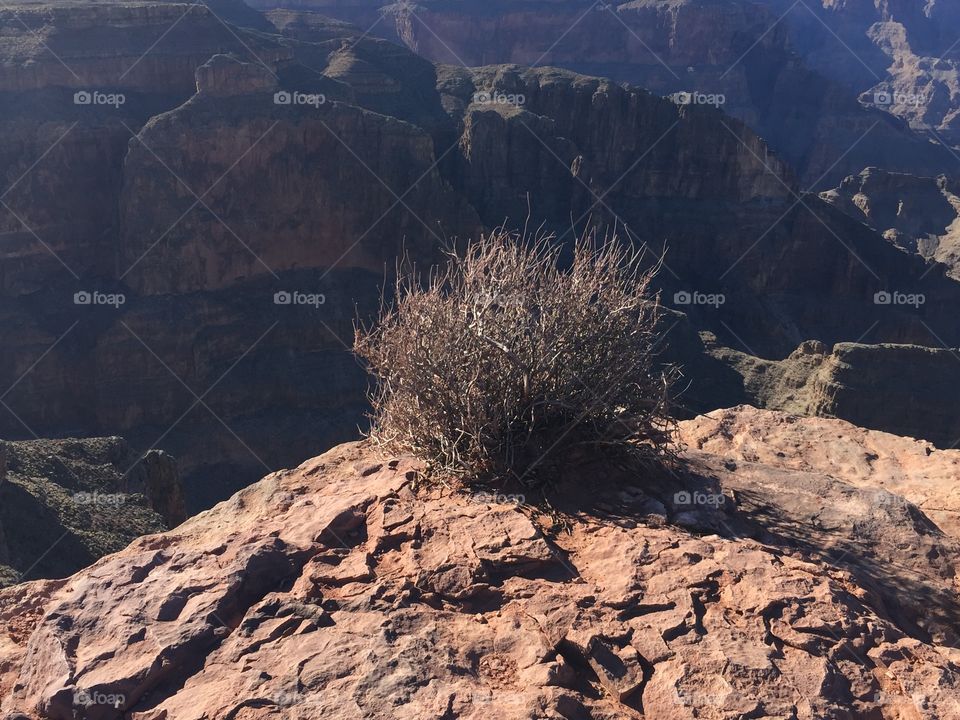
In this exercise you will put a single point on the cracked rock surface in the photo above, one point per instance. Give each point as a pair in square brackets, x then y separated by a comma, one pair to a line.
[342, 590]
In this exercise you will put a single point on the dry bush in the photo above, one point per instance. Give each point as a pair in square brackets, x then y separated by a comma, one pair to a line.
[505, 362]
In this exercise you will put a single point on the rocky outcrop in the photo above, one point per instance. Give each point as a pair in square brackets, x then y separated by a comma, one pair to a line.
[65, 503]
[903, 466]
[20, 608]
[918, 214]
[342, 589]
[917, 386]
[226, 76]
[313, 152]
[157, 477]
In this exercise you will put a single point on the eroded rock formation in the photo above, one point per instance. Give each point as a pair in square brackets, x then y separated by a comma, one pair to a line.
[742, 583]
[903, 466]
[250, 195]
[831, 86]
[917, 214]
[842, 381]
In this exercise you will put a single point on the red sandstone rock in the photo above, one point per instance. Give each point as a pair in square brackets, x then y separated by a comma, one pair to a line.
[913, 469]
[339, 590]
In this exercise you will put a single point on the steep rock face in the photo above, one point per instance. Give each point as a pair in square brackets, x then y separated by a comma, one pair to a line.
[51, 228]
[310, 26]
[765, 58]
[338, 590]
[142, 48]
[88, 45]
[918, 214]
[157, 476]
[695, 185]
[916, 401]
[77, 81]
[90, 496]
[225, 76]
[315, 159]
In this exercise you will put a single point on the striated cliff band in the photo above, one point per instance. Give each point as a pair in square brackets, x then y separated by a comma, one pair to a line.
[832, 86]
[196, 207]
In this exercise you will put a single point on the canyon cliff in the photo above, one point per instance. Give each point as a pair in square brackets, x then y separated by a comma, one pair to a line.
[198, 206]
[917, 214]
[832, 86]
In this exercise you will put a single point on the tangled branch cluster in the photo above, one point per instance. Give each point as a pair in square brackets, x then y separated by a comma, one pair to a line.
[506, 360]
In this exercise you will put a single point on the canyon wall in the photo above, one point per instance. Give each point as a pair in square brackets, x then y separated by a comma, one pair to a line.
[831, 88]
[917, 214]
[917, 398]
[185, 267]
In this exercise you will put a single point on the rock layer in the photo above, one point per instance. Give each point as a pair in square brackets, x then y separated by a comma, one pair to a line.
[841, 381]
[250, 194]
[813, 79]
[903, 466]
[342, 589]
